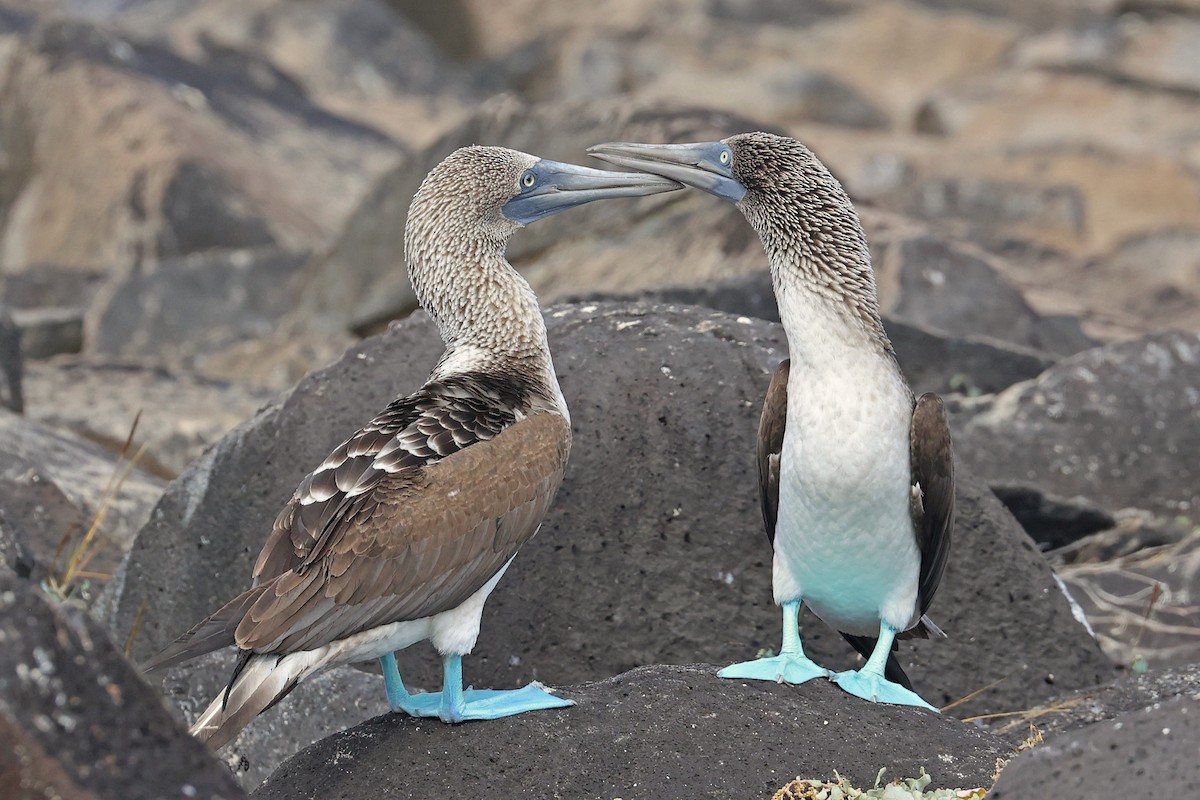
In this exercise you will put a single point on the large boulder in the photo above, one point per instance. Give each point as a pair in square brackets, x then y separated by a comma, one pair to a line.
[190, 307]
[657, 523]
[76, 720]
[664, 732]
[1114, 424]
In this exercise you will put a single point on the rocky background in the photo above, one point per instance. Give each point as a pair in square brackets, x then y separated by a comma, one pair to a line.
[201, 215]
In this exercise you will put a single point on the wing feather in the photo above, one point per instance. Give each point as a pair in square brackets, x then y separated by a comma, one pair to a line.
[933, 492]
[771, 427]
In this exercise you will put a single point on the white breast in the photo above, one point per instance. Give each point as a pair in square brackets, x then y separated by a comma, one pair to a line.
[844, 539]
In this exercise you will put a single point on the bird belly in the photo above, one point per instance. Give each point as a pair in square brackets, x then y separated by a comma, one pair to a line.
[844, 539]
[453, 632]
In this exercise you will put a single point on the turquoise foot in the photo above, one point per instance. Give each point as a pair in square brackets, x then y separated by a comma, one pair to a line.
[878, 689]
[781, 669]
[480, 703]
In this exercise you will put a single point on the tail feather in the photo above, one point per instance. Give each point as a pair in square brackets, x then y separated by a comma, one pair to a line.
[261, 683]
[214, 633]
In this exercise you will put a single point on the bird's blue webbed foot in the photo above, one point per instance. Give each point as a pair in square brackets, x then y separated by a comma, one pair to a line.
[790, 666]
[869, 683]
[878, 689]
[453, 704]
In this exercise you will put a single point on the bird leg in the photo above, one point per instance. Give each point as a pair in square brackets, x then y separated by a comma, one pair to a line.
[397, 695]
[453, 704]
[869, 683]
[790, 666]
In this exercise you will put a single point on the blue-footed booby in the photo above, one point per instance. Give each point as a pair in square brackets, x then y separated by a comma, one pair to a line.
[856, 477]
[400, 534]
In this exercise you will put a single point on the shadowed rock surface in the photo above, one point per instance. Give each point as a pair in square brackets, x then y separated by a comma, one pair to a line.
[76, 721]
[663, 732]
[665, 403]
[1113, 424]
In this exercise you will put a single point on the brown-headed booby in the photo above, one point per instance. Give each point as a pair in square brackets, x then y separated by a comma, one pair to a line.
[856, 477]
[400, 534]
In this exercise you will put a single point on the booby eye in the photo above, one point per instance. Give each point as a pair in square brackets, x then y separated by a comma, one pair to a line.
[724, 157]
[528, 180]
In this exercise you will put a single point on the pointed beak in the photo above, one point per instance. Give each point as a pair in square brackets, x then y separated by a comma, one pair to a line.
[561, 186]
[698, 165]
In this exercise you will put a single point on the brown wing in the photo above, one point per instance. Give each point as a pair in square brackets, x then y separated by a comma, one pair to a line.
[420, 541]
[771, 427]
[933, 492]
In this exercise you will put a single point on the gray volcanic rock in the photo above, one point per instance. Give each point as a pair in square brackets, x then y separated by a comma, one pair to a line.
[317, 708]
[189, 307]
[1153, 747]
[663, 732]
[1114, 424]
[937, 284]
[657, 524]
[11, 395]
[77, 722]
[52, 486]
[360, 282]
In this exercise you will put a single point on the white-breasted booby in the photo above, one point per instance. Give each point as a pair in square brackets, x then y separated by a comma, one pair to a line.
[856, 477]
[400, 534]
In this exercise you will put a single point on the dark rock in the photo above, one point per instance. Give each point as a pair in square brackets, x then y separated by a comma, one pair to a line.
[663, 732]
[941, 285]
[52, 486]
[77, 722]
[12, 395]
[1143, 606]
[191, 307]
[178, 415]
[665, 403]
[317, 708]
[1053, 522]
[202, 210]
[932, 361]
[1154, 747]
[49, 332]
[360, 283]
[817, 97]
[1113, 424]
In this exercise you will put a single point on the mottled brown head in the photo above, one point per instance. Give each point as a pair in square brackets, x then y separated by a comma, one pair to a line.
[461, 220]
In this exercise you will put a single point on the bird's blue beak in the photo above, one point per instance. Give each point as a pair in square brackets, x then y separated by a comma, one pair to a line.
[552, 186]
[704, 165]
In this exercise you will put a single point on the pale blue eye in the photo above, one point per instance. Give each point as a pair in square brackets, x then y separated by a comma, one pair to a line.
[724, 156]
[528, 180]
